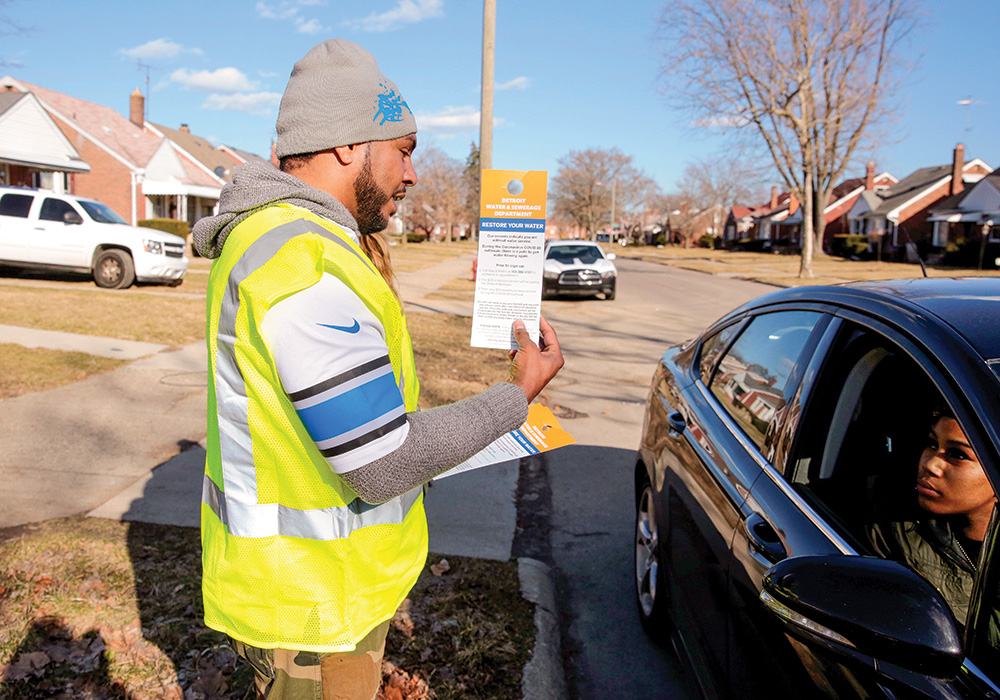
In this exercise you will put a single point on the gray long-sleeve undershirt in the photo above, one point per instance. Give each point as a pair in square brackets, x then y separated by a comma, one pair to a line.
[439, 439]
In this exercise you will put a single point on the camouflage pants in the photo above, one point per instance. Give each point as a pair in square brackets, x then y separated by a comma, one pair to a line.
[281, 674]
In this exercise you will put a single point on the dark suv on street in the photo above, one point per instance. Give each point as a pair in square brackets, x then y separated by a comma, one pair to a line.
[815, 494]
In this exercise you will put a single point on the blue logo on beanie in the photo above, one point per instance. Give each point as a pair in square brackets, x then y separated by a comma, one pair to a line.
[390, 106]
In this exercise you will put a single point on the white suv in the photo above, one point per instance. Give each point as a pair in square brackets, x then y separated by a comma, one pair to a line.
[42, 229]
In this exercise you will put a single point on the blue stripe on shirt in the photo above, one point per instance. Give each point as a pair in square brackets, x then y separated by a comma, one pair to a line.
[352, 409]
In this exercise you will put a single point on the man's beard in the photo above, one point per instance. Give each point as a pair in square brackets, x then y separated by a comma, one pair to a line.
[370, 199]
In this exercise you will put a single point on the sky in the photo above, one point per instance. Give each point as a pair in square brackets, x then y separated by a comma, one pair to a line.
[570, 75]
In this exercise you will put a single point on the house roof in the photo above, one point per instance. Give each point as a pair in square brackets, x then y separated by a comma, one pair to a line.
[101, 123]
[739, 212]
[246, 156]
[8, 99]
[29, 137]
[214, 159]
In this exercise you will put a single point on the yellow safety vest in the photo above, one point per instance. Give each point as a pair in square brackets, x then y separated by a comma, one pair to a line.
[292, 557]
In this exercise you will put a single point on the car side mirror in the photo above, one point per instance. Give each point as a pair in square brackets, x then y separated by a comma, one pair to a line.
[869, 609]
[611, 256]
[72, 217]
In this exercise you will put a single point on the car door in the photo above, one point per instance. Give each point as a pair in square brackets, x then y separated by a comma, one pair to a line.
[59, 241]
[727, 419]
[15, 230]
[846, 460]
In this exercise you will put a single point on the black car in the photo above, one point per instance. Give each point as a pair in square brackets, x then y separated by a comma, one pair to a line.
[785, 496]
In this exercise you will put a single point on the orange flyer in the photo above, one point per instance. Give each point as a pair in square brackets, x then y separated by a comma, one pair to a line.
[540, 433]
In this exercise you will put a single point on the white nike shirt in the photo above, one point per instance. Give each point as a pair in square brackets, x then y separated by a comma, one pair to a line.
[333, 362]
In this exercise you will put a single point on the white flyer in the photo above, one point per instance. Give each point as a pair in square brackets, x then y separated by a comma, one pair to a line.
[511, 251]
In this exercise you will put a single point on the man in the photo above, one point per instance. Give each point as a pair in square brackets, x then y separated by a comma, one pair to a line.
[313, 526]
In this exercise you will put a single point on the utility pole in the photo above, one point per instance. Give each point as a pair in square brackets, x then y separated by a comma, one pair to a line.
[486, 109]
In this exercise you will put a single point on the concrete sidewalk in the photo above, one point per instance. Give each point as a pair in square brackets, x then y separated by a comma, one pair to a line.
[129, 444]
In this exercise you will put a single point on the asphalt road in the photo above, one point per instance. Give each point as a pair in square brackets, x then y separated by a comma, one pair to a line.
[611, 349]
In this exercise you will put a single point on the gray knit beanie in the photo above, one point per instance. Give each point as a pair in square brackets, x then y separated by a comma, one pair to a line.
[337, 96]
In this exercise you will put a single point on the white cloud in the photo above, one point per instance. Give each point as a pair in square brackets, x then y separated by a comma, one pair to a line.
[281, 10]
[290, 10]
[223, 79]
[405, 12]
[248, 103]
[158, 48]
[720, 121]
[519, 83]
[313, 26]
[451, 121]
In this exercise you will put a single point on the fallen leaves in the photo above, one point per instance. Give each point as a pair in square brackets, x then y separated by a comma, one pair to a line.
[440, 568]
[397, 684]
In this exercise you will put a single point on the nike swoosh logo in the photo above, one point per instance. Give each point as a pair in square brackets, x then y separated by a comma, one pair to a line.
[346, 329]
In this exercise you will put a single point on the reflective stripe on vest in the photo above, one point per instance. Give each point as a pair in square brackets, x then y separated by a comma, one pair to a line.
[314, 524]
[237, 506]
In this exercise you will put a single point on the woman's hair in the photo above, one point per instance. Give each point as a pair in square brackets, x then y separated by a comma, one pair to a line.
[377, 249]
[941, 410]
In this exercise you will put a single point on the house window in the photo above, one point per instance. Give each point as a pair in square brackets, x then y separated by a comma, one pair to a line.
[940, 239]
[994, 234]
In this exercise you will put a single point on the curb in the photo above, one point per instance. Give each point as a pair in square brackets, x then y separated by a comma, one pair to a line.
[543, 677]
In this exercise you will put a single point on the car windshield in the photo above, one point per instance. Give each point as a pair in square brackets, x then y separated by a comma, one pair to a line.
[101, 213]
[586, 254]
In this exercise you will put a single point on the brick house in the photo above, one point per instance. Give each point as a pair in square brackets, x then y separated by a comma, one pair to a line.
[738, 224]
[898, 215]
[33, 150]
[844, 196]
[968, 216]
[786, 217]
[137, 172]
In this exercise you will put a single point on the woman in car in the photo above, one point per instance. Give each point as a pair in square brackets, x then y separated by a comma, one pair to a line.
[955, 502]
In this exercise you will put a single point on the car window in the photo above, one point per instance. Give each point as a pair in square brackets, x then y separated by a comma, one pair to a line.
[711, 348]
[874, 419]
[54, 209]
[764, 361]
[16, 205]
[585, 254]
[101, 213]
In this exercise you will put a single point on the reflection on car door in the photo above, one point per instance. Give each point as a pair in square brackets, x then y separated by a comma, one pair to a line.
[753, 387]
[740, 406]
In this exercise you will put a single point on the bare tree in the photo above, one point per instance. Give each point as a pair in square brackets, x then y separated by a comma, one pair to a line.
[439, 197]
[10, 27]
[708, 188]
[809, 76]
[596, 187]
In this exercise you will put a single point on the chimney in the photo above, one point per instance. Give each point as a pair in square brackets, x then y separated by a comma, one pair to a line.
[774, 196]
[956, 170]
[185, 128]
[870, 177]
[137, 108]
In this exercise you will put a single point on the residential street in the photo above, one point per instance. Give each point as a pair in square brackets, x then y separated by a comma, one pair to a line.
[611, 349]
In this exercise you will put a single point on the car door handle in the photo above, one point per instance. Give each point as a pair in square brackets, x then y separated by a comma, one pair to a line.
[763, 539]
[676, 422]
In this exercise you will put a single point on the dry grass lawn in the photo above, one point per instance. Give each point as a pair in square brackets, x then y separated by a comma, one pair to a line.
[93, 608]
[783, 270]
[27, 370]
